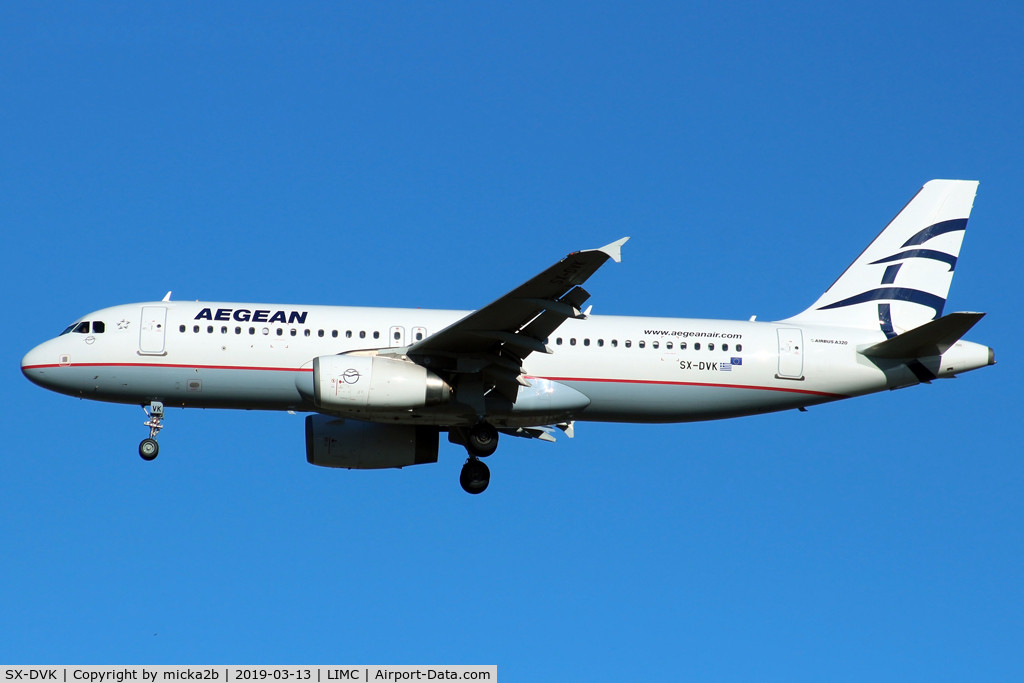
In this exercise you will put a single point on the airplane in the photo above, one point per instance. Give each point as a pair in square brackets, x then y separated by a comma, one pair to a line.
[381, 384]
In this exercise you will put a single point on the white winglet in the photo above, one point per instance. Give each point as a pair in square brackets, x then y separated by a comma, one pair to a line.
[167, 297]
[614, 250]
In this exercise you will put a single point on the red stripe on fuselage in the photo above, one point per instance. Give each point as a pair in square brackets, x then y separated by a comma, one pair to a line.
[553, 379]
[689, 384]
[163, 365]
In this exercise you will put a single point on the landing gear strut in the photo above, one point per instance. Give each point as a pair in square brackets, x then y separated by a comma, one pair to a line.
[149, 448]
[475, 476]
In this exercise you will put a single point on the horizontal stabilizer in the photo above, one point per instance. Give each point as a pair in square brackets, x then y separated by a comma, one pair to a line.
[930, 339]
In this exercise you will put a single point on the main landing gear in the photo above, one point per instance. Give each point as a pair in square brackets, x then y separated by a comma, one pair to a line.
[480, 441]
[475, 476]
[149, 448]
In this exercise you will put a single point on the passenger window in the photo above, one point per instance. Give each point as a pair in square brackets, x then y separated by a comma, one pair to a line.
[224, 329]
[572, 341]
[629, 344]
[209, 329]
[334, 333]
[82, 328]
[559, 341]
[615, 342]
[668, 345]
[696, 346]
[600, 342]
[195, 328]
[362, 335]
[265, 330]
[280, 332]
[98, 327]
[306, 333]
[682, 346]
[181, 328]
[398, 335]
[641, 343]
[654, 344]
[376, 335]
[348, 334]
[586, 342]
[238, 330]
[739, 347]
[711, 346]
[419, 336]
[320, 333]
[252, 330]
[294, 331]
[725, 347]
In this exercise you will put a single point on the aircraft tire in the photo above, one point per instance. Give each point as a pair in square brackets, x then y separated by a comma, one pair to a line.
[149, 449]
[475, 477]
[483, 440]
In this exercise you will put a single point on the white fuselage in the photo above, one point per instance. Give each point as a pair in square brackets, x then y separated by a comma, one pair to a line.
[632, 369]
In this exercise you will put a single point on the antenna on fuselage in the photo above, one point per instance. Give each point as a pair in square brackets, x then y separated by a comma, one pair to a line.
[167, 297]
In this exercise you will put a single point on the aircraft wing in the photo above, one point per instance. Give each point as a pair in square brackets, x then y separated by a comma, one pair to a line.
[494, 340]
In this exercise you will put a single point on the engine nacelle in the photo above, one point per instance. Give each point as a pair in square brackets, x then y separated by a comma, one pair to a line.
[335, 442]
[346, 382]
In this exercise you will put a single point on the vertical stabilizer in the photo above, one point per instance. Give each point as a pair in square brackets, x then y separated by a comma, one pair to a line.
[901, 281]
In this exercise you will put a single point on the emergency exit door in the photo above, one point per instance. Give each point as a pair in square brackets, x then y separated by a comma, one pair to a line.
[396, 337]
[791, 354]
[152, 329]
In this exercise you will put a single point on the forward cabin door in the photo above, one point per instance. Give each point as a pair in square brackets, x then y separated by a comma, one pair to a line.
[396, 337]
[151, 332]
[791, 354]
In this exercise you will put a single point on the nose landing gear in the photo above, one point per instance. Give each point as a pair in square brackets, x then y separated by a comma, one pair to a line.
[149, 448]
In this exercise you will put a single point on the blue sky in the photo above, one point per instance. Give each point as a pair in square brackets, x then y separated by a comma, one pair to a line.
[437, 155]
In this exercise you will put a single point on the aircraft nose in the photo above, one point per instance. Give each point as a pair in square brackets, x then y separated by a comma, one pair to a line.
[33, 363]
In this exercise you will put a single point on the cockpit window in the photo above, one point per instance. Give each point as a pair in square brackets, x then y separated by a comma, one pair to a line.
[98, 327]
[67, 329]
[82, 328]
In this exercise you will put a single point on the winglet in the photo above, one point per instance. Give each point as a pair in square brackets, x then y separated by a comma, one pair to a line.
[167, 297]
[614, 250]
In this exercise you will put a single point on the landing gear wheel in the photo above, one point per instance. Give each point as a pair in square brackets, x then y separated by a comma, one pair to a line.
[475, 476]
[149, 449]
[483, 439]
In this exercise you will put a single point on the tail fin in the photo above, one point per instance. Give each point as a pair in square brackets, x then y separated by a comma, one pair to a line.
[902, 279]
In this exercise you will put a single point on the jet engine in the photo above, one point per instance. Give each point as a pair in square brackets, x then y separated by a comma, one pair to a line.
[334, 442]
[345, 382]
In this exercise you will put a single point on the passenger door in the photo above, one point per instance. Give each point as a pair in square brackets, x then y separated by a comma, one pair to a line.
[151, 332]
[791, 354]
